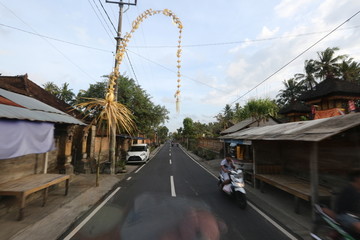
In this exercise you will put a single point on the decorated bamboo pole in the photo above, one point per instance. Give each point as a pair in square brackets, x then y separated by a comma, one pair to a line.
[120, 54]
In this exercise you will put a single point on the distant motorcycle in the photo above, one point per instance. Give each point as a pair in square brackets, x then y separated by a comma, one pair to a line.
[236, 187]
[327, 228]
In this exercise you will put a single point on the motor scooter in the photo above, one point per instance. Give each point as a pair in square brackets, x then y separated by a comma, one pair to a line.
[236, 187]
[327, 228]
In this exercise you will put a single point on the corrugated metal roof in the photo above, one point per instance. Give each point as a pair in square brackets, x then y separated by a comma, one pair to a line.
[34, 110]
[238, 126]
[312, 131]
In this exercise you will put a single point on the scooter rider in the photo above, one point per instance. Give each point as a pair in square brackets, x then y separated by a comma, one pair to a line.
[349, 202]
[226, 165]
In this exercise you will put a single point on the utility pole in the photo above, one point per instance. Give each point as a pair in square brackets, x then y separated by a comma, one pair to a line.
[112, 143]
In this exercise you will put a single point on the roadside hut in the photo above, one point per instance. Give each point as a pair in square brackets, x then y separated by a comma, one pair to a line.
[31, 143]
[307, 159]
[239, 148]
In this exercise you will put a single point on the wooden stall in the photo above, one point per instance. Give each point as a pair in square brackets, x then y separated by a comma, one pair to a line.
[308, 159]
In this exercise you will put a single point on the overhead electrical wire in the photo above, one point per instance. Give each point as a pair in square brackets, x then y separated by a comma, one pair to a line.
[176, 72]
[109, 19]
[210, 44]
[107, 16]
[132, 68]
[244, 41]
[46, 40]
[101, 22]
[292, 60]
[56, 39]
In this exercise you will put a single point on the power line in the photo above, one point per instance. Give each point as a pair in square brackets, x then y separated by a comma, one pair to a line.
[292, 60]
[102, 16]
[102, 24]
[107, 15]
[55, 39]
[132, 68]
[104, 50]
[244, 41]
[52, 45]
[147, 59]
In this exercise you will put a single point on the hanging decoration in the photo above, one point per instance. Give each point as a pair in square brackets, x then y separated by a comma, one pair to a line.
[120, 54]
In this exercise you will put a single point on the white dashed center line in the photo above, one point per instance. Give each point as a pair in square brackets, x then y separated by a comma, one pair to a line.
[173, 193]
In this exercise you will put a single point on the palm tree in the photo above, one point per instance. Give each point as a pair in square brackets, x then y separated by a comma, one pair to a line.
[52, 88]
[308, 79]
[225, 118]
[350, 70]
[328, 64]
[66, 94]
[291, 93]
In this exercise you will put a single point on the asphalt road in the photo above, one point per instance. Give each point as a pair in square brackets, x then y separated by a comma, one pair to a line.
[172, 197]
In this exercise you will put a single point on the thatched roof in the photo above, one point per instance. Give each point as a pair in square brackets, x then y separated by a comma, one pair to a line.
[295, 107]
[332, 87]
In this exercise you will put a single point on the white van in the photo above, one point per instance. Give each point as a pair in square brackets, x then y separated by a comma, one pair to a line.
[138, 153]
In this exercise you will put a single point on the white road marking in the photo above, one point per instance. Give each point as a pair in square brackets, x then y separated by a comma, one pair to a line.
[78, 227]
[170, 161]
[139, 168]
[200, 165]
[280, 228]
[128, 178]
[170, 154]
[289, 235]
[173, 193]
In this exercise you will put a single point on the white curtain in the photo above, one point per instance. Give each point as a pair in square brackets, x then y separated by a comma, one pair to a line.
[20, 137]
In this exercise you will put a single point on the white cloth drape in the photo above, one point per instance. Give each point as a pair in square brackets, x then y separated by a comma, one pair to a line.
[19, 137]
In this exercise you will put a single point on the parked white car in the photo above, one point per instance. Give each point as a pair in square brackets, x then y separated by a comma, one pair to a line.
[138, 153]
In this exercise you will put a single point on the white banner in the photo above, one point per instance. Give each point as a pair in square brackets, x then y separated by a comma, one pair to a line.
[20, 137]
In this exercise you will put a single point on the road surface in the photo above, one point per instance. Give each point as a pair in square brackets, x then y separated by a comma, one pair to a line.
[168, 198]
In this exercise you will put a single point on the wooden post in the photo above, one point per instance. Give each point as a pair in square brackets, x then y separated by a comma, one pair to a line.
[254, 164]
[69, 168]
[46, 159]
[314, 178]
[84, 154]
[92, 142]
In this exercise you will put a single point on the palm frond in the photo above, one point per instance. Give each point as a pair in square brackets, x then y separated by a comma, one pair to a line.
[111, 113]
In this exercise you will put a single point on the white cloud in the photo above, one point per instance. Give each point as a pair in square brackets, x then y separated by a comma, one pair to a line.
[245, 44]
[267, 33]
[81, 33]
[237, 68]
[289, 8]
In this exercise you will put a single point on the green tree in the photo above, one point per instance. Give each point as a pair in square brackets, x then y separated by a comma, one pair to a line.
[291, 93]
[147, 115]
[350, 70]
[96, 90]
[66, 94]
[226, 118]
[52, 88]
[308, 79]
[63, 93]
[260, 109]
[328, 64]
[162, 134]
[188, 130]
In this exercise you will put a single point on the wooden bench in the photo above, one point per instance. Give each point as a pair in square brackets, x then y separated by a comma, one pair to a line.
[295, 186]
[23, 187]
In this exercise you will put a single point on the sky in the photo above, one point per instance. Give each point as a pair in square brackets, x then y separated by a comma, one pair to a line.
[232, 51]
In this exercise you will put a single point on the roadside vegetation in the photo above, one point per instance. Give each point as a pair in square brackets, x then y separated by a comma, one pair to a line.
[149, 117]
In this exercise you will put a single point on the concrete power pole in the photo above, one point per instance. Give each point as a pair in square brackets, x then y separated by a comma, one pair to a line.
[112, 143]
